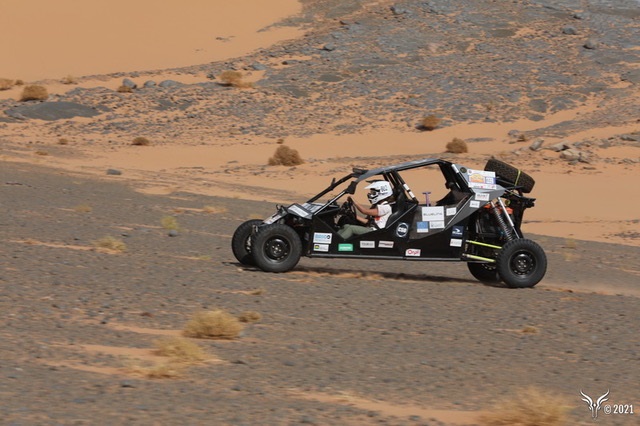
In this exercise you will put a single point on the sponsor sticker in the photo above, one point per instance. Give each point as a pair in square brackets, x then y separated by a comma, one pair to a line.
[432, 213]
[455, 242]
[345, 247]
[385, 244]
[481, 179]
[402, 230]
[321, 238]
[412, 252]
[457, 231]
[367, 244]
[422, 227]
[321, 247]
[474, 204]
[436, 224]
[451, 211]
[482, 197]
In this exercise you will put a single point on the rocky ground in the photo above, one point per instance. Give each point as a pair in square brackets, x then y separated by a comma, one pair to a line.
[382, 64]
[338, 343]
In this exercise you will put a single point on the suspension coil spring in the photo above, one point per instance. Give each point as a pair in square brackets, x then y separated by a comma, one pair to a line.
[501, 222]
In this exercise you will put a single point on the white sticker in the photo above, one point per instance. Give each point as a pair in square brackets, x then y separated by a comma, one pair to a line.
[385, 244]
[438, 224]
[482, 196]
[481, 179]
[412, 252]
[432, 213]
[455, 242]
[474, 204]
[322, 238]
[451, 211]
[367, 244]
[321, 247]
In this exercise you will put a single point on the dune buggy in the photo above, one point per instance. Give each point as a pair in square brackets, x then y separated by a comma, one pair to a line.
[474, 218]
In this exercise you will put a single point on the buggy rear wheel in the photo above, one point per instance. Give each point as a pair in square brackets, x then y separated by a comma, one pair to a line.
[521, 263]
[484, 272]
[276, 248]
[241, 242]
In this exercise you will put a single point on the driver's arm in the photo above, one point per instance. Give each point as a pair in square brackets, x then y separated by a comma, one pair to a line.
[365, 210]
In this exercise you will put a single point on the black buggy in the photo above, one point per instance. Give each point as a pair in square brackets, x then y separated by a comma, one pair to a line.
[476, 219]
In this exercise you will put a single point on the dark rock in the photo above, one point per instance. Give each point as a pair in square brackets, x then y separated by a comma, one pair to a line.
[169, 83]
[536, 145]
[560, 146]
[591, 44]
[129, 83]
[569, 30]
[570, 155]
[51, 111]
[114, 172]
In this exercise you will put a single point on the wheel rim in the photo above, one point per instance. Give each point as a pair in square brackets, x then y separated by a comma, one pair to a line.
[277, 249]
[523, 263]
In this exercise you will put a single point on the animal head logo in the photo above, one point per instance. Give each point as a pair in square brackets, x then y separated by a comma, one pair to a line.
[594, 407]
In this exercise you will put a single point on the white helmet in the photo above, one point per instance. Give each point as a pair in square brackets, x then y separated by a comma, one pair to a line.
[379, 190]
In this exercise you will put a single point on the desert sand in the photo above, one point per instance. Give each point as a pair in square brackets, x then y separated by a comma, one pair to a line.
[68, 39]
[212, 156]
[52, 40]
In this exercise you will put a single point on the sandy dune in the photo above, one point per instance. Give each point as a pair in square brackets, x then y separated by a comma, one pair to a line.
[51, 40]
[69, 38]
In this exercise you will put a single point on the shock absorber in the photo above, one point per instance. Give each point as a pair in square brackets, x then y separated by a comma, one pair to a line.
[500, 219]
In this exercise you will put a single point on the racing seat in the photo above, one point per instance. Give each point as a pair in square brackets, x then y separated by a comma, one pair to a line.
[453, 197]
[399, 207]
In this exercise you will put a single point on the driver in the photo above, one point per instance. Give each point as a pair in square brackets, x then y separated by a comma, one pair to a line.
[380, 192]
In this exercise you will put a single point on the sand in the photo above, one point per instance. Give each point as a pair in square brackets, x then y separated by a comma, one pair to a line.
[70, 38]
[51, 40]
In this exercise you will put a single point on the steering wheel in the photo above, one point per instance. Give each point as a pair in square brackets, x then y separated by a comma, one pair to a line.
[348, 213]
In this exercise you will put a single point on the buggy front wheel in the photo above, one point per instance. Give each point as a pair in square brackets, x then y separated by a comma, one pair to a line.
[521, 263]
[276, 248]
[241, 242]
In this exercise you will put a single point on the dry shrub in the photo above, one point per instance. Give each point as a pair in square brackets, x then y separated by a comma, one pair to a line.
[125, 89]
[179, 350]
[19, 82]
[530, 329]
[63, 141]
[6, 84]
[170, 223]
[34, 92]
[250, 316]
[140, 141]
[285, 156]
[430, 122]
[213, 325]
[234, 79]
[83, 208]
[110, 243]
[457, 146]
[528, 407]
[69, 80]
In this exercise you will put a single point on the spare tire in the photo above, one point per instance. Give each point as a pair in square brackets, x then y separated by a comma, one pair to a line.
[510, 174]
